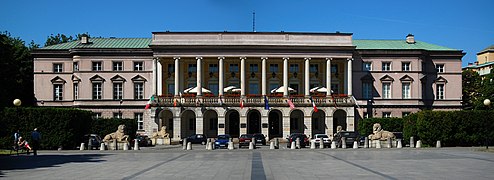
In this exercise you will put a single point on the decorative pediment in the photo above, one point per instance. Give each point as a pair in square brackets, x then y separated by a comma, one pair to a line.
[441, 79]
[76, 79]
[138, 78]
[97, 78]
[406, 78]
[387, 78]
[367, 77]
[58, 80]
[118, 78]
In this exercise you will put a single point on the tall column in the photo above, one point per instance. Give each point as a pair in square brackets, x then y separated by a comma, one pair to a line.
[199, 76]
[328, 74]
[263, 70]
[349, 69]
[155, 76]
[307, 75]
[221, 76]
[242, 76]
[177, 75]
[285, 76]
[159, 68]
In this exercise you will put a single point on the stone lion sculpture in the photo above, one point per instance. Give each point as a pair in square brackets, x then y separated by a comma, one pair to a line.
[379, 133]
[119, 135]
[160, 134]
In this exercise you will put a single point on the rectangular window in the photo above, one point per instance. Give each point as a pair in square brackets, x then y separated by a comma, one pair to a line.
[213, 68]
[140, 121]
[405, 66]
[386, 66]
[405, 87]
[58, 92]
[386, 114]
[366, 66]
[254, 68]
[138, 66]
[313, 68]
[273, 68]
[440, 91]
[386, 90]
[117, 115]
[440, 68]
[171, 68]
[97, 91]
[76, 91]
[117, 91]
[97, 115]
[97, 66]
[139, 90]
[253, 88]
[58, 67]
[76, 66]
[171, 88]
[117, 66]
[273, 85]
[367, 90]
[294, 68]
[214, 88]
[192, 68]
[405, 114]
[334, 68]
[234, 68]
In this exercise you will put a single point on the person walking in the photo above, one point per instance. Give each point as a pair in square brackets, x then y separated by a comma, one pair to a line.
[17, 135]
[36, 138]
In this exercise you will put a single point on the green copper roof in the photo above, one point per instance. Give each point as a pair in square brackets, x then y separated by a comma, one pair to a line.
[105, 43]
[397, 45]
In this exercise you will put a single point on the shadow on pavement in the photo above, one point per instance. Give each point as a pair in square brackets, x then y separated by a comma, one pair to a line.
[41, 161]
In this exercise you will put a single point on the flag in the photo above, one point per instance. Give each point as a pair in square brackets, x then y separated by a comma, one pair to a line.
[332, 98]
[266, 103]
[148, 105]
[175, 103]
[313, 104]
[290, 103]
[241, 103]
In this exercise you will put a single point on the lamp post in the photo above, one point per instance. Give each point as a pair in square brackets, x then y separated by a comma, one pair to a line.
[487, 103]
[17, 102]
[119, 109]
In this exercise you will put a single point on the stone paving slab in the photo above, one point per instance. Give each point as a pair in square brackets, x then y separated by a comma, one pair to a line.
[262, 163]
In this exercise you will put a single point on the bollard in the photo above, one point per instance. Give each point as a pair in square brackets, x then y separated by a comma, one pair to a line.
[399, 146]
[251, 145]
[412, 142]
[321, 144]
[292, 146]
[370, 143]
[136, 145]
[271, 145]
[389, 143]
[212, 145]
[189, 146]
[366, 142]
[343, 143]
[230, 145]
[276, 143]
[102, 147]
[184, 144]
[419, 144]
[438, 144]
[312, 145]
[378, 144]
[333, 144]
[115, 145]
[82, 147]
[126, 147]
[355, 145]
[297, 143]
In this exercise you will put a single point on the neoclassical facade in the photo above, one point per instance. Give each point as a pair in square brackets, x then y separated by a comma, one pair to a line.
[223, 82]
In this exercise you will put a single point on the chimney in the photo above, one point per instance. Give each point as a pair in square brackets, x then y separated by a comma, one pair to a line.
[476, 63]
[410, 39]
[84, 39]
[470, 64]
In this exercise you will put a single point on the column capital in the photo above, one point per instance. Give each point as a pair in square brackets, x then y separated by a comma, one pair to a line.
[243, 58]
[307, 58]
[286, 58]
[221, 57]
[156, 58]
[176, 57]
[349, 59]
[264, 58]
[199, 57]
[329, 58]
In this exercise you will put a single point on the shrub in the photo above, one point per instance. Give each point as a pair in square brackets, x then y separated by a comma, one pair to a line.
[388, 124]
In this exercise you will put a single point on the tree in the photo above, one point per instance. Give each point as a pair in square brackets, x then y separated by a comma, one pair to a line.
[471, 86]
[62, 38]
[486, 91]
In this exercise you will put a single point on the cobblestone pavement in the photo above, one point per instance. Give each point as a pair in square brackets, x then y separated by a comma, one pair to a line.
[175, 163]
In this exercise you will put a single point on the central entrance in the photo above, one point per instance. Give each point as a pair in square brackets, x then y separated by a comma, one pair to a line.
[253, 122]
[275, 124]
[232, 123]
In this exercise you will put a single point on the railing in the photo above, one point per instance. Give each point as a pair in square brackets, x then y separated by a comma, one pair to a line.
[274, 101]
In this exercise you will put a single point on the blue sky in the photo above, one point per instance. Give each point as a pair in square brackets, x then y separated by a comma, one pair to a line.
[459, 24]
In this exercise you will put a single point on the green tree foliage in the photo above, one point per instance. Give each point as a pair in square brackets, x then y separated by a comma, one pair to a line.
[388, 124]
[16, 76]
[486, 92]
[62, 38]
[471, 85]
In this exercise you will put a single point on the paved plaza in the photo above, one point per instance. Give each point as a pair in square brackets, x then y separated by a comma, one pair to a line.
[262, 163]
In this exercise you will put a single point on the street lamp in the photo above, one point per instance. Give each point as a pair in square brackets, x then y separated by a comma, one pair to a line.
[487, 103]
[17, 102]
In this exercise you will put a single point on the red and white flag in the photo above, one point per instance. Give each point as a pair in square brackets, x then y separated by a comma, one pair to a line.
[241, 103]
[290, 103]
[313, 104]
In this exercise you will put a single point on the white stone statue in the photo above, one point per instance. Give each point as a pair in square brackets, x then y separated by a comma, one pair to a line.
[119, 135]
[162, 134]
[380, 134]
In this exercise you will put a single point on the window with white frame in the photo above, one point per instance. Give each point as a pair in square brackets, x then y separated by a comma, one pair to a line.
[406, 90]
[386, 90]
[140, 121]
[313, 68]
[386, 66]
[138, 90]
[367, 90]
[97, 66]
[76, 91]
[440, 68]
[58, 67]
[118, 66]
[439, 91]
[97, 90]
[57, 92]
[213, 68]
[405, 66]
[273, 68]
[138, 66]
[366, 66]
[117, 91]
[234, 68]
[386, 114]
[76, 66]
[294, 68]
[254, 68]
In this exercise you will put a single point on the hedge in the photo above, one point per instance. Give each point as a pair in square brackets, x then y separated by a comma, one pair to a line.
[103, 127]
[387, 124]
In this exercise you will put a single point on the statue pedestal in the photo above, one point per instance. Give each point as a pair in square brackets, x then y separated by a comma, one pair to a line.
[384, 143]
[161, 141]
[119, 145]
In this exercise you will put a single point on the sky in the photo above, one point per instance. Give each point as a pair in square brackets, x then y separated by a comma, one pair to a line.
[458, 24]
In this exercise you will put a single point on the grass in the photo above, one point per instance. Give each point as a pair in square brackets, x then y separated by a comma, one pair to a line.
[4, 152]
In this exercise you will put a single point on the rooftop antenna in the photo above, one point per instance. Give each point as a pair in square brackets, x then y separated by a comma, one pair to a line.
[254, 21]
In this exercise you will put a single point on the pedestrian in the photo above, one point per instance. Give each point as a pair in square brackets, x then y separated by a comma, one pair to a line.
[17, 134]
[36, 138]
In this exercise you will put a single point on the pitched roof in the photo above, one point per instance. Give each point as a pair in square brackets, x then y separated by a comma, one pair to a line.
[132, 43]
[397, 45]
[487, 49]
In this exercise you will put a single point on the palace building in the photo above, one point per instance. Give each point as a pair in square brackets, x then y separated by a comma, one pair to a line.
[275, 83]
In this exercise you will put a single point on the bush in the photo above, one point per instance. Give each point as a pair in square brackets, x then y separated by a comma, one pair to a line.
[387, 124]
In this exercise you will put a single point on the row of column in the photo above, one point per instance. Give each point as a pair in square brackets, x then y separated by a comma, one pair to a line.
[157, 73]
